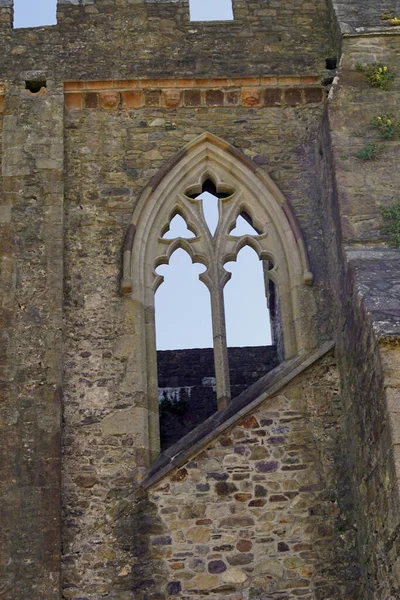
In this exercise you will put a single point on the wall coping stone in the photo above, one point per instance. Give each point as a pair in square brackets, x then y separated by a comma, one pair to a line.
[372, 32]
[377, 275]
[247, 402]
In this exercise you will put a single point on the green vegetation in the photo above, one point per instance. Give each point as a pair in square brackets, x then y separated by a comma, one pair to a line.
[378, 75]
[388, 15]
[391, 217]
[386, 126]
[371, 151]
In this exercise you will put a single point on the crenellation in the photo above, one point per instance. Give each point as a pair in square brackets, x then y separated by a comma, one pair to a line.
[6, 14]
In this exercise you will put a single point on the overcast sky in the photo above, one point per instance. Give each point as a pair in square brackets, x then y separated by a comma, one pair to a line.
[31, 13]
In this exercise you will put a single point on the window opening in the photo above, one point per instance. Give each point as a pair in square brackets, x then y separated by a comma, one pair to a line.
[244, 226]
[185, 357]
[178, 228]
[210, 210]
[252, 351]
[35, 86]
[208, 165]
[209, 10]
[209, 198]
[331, 63]
[245, 297]
[182, 305]
[34, 14]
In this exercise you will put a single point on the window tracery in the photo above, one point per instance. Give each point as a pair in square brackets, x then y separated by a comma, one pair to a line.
[182, 305]
[247, 311]
[244, 191]
[213, 249]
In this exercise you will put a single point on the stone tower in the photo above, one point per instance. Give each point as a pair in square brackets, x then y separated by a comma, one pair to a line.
[111, 122]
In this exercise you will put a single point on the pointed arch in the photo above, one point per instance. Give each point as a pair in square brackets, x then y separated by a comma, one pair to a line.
[173, 191]
[210, 157]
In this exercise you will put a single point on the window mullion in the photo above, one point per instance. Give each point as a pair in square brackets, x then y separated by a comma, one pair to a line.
[220, 346]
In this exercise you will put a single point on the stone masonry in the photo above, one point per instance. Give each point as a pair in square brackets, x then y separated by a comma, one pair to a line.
[186, 384]
[262, 512]
[292, 491]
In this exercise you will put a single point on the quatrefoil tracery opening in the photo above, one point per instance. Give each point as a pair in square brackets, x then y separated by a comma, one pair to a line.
[219, 190]
[206, 208]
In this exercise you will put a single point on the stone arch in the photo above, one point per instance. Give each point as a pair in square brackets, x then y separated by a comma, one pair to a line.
[246, 187]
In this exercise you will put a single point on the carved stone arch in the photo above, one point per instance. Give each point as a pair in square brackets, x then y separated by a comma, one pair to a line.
[172, 191]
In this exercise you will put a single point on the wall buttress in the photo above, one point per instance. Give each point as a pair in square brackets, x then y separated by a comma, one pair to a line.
[31, 234]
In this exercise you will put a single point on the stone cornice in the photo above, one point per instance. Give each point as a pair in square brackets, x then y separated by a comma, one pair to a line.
[250, 92]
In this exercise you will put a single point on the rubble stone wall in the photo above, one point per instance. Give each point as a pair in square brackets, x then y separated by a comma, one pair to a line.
[263, 511]
[363, 276]
[110, 157]
[75, 158]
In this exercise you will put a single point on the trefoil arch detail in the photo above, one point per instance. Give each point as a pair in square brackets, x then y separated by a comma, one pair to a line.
[242, 189]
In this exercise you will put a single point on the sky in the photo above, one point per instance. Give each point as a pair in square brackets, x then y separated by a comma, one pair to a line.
[32, 13]
[182, 302]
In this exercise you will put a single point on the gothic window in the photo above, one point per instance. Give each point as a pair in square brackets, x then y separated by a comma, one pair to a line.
[250, 212]
[209, 10]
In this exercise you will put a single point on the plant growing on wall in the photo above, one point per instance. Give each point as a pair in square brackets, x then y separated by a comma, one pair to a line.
[391, 218]
[390, 17]
[371, 151]
[378, 75]
[387, 126]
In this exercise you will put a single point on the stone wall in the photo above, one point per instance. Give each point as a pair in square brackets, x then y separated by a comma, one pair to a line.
[186, 384]
[31, 226]
[360, 16]
[75, 158]
[110, 157]
[104, 40]
[263, 511]
[186, 368]
[362, 277]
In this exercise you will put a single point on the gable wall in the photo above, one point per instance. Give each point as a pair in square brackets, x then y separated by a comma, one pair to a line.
[111, 155]
[264, 511]
[103, 153]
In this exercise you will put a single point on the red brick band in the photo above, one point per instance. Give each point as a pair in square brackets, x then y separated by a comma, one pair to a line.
[248, 92]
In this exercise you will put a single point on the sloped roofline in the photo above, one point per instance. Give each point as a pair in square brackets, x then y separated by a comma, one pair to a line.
[247, 402]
